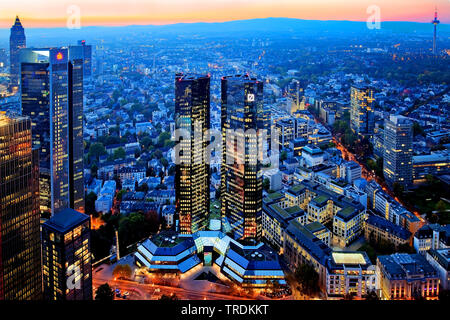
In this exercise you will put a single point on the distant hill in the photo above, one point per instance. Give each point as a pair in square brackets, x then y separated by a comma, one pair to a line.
[238, 28]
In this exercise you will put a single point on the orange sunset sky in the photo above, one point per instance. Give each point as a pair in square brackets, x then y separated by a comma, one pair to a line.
[54, 13]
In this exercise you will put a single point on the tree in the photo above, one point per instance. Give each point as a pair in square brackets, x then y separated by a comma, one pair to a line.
[163, 136]
[94, 170]
[90, 203]
[143, 188]
[104, 293]
[266, 184]
[372, 296]
[122, 271]
[146, 142]
[406, 248]
[119, 153]
[283, 155]
[120, 194]
[348, 296]
[96, 150]
[172, 297]
[441, 206]
[430, 179]
[164, 162]
[308, 277]
[397, 189]
[417, 129]
[157, 154]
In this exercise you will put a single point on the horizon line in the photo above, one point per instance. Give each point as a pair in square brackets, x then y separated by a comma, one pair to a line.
[213, 22]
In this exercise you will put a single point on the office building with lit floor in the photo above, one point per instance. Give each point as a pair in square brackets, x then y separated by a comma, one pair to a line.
[20, 245]
[167, 251]
[362, 117]
[440, 260]
[435, 163]
[249, 266]
[377, 228]
[397, 162]
[275, 219]
[66, 256]
[252, 266]
[320, 231]
[192, 173]
[350, 273]
[51, 94]
[242, 122]
[432, 236]
[407, 276]
[301, 246]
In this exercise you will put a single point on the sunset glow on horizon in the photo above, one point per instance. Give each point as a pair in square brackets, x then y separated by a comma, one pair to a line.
[55, 13]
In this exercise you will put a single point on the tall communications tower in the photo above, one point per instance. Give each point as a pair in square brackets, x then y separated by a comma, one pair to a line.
[435, 22]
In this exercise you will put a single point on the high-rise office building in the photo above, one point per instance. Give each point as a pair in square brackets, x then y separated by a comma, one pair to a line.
[52, 96]
[397, 164]
[192, 175]
[241, 171]
[20, 245]
[66, 256]
[76, 143]
[362, 117]
[17, 41]
[87, 57]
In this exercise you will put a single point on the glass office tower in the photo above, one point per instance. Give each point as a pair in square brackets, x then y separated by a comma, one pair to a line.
[242, 124]
[398, 138]
[76, 145]
[362, 117]
[66, 256]
[51, 95]
[17, 41]
[20, 245]
[192, 175]
[87, 57]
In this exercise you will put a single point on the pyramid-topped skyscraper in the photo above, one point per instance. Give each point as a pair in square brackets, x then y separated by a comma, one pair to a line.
[17, 41]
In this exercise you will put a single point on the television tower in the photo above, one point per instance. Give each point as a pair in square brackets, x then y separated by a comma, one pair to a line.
[435, 22]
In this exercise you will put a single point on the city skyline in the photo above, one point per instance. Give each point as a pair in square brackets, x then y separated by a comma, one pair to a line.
[271, 159]
[50, 13]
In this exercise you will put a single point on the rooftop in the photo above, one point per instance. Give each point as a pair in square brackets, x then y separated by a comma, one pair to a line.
[403, 265]
[321, 199]
[315, 226]
[66, 220]
[347, 213]
[349, 258]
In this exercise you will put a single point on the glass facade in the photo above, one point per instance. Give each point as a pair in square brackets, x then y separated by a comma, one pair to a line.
[51, 95]
[20, 246]
[398, 138]
[76, 146]
[192, 176]
[66, 256]
[17, 41]
[362, 117]
[87, 58]
[241, 175]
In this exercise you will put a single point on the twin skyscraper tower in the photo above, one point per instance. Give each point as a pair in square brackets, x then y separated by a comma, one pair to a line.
[242, 125]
